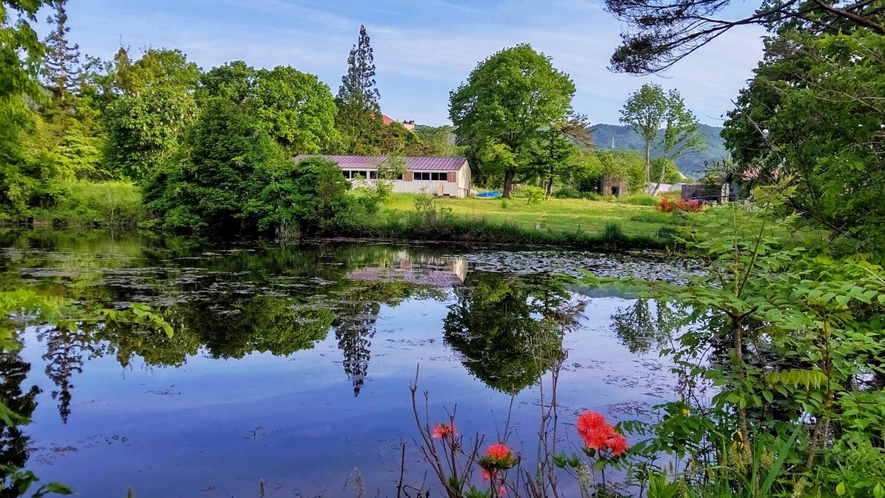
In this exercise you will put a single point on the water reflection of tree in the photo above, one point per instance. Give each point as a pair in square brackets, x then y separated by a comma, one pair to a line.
[509, 329]
[647, 324]
[356, 313]
[13, 442]
[64, 358]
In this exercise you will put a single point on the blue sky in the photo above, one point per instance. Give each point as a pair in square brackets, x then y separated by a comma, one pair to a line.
[423, 48]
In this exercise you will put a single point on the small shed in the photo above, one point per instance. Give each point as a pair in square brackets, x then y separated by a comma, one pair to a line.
[613, 185]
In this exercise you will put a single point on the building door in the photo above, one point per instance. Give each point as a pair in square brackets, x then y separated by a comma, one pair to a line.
[616, 191]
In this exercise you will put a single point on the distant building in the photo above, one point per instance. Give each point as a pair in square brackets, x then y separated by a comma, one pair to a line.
[441, 176]
[613, 185]
[409, 125]
[726, 192]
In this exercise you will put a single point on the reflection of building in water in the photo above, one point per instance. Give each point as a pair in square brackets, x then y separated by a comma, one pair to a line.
[417, 270]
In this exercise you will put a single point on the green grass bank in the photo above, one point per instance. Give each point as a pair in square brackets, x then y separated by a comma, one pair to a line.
[576, 223]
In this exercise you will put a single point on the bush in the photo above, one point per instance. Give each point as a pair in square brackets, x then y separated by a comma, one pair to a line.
[568, 193]
[681, 206]
[307, 196]
[532, 195]
[613, 233]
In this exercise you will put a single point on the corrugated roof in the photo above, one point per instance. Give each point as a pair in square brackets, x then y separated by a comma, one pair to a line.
[412, 163]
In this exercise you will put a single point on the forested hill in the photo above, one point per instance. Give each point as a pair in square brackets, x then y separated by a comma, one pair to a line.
[691, 164]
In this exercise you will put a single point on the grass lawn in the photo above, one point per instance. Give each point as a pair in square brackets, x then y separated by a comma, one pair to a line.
[552, 214]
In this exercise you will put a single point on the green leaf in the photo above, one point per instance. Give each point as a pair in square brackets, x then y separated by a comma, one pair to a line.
[840, 489]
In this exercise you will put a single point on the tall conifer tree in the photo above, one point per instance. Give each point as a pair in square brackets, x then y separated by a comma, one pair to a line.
[62, 61]
[359, 114]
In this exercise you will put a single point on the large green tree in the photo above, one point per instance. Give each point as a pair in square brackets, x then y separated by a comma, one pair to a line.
[229, 160]
[24, 183]
[151, 104]
[504, 107]
[359, 114]
[644, 111]
[296, 109]
[814, 111]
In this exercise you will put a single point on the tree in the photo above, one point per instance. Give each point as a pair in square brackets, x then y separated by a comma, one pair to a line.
[505, 105]
[433, 141]
[150, 105]
[62, 63]
[229, 160]
[680, 132]
[662, 32]
[649, 110]
[644, 111]
[234, 81]
[814, 112]
[144, 131]
[555, 147]
[359, 114]
[297, 110]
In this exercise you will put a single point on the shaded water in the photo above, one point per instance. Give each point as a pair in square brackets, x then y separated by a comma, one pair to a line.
[292, 365]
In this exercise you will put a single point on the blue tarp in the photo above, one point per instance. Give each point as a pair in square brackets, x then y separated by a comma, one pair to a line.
[488, 195]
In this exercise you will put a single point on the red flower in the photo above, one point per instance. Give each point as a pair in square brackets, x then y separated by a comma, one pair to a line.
[618, 444]
[442, 431]
[486, 474]
[498, 452]
[589, 422]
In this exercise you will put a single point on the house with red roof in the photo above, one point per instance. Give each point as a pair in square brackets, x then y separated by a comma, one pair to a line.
[441, 176]
[409, 125]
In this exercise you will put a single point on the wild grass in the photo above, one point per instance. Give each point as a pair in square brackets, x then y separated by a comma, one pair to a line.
[106, 204]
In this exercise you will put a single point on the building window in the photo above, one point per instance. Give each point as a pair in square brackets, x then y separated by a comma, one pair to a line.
[346, 174]
[373, 175]
[359, 174]
[399, 177]
[432, 177]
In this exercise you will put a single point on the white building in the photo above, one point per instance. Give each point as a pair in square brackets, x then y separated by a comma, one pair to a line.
[442, 176]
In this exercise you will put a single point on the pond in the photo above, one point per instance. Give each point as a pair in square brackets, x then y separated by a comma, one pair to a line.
[291, 365]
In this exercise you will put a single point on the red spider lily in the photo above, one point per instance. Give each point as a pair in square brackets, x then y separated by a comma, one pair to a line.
[498, 452]
[599, 435]
[443, 431]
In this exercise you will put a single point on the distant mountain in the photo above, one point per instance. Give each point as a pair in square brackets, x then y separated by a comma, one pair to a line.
[614, 137]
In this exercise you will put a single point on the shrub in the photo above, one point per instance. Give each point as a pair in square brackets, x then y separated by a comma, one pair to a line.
[309, 196]
[568, 193]
[532, 195]
[105, 203]
[613, 233]
[681, 206]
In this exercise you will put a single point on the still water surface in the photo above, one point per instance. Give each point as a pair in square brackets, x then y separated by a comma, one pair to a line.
[292, 365]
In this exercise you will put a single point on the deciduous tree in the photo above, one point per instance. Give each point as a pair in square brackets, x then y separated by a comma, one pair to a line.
[504, 106]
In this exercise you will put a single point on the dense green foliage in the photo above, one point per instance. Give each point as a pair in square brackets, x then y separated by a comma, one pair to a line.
[819, 102]
[503, 107]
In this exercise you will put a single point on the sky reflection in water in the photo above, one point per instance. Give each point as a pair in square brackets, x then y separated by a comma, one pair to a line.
[293, 365]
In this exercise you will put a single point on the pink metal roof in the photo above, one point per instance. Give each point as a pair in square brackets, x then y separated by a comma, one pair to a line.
[412, 163]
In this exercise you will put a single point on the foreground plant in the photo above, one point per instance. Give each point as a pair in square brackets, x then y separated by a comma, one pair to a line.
[791, 346]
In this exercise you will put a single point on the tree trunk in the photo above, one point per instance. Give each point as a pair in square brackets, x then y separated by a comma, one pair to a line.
[647, 164]
[508, 183]
[660, 179]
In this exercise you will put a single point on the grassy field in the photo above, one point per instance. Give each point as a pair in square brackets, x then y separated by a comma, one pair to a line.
[558, 215]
